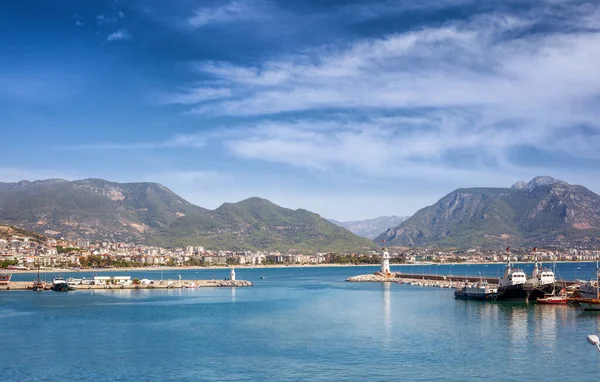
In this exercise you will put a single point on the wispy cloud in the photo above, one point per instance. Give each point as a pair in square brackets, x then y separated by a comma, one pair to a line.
[120, 35]
[479, 88]
[228, 12]
[103, 20]
[196, 141]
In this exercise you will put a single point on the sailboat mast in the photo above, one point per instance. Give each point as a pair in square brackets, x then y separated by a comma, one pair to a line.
[597, 277]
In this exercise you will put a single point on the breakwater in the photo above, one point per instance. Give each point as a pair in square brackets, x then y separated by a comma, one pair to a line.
[397, 276]
[164, 284]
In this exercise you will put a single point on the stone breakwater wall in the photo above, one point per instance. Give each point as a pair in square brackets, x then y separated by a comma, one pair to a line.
[165, 284]
[374, 278]
[234, 283]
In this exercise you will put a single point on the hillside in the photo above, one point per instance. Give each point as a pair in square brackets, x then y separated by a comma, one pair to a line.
[370, 228]
[544, 211]
[256, 223]
[151, 213]
[9, 233]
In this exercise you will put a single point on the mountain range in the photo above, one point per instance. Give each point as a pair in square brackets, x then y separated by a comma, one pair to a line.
[542, 212]
[152, 214]
[371, 228]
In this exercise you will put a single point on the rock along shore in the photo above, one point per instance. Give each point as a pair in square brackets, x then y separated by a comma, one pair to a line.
[374, 278]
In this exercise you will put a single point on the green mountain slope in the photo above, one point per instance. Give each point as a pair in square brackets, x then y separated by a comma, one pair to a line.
[256, 223]
[544, 211]
[151, 213]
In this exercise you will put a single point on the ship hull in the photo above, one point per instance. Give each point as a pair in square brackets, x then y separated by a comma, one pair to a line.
[523, 292]
[478, 297]
[587, 303]
[60, 287]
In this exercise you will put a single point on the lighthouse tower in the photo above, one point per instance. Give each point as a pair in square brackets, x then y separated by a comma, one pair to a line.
[385, 262]
[232, 274]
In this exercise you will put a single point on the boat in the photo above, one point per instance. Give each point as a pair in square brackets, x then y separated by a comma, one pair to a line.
[38, 284]
[59, 285]
[587, 289]
[515, 286]
[479, 291]
[559, 299]
[72, 282]
[5, 278]
[594, 302]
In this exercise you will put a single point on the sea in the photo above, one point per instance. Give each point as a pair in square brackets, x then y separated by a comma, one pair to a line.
[294, 324]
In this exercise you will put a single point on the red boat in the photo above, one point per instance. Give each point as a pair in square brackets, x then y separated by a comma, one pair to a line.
[5, 278]
[553, 300]
[559, 299]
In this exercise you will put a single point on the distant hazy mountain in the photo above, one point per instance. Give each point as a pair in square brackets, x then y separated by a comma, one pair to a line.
[371, 228]
[544, 211]
[151, 213]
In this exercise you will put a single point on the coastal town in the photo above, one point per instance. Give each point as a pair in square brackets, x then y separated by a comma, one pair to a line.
[25, 253]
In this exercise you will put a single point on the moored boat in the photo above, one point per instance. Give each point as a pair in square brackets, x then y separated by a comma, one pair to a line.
[59, 285]
[590, 303]
[479, 291]
[5, 278]
[554, 300]
[515, 286]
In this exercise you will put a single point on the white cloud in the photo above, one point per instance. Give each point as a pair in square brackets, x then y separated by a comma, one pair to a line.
[121, 14]
[181, 140]
[232, 11]
[461, 95]
[120, 35]
[103, 20]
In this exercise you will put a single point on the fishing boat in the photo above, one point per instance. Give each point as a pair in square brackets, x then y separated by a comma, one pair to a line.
[594, 302]
[38, 284]
[559, 299]
[5, 278]
[479, 291]
[59, 284]
[515, 286]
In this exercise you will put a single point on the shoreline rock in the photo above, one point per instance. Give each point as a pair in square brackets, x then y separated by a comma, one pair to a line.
[374, 277]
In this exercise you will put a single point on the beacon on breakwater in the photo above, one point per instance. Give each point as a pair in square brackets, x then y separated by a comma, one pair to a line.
[385, 262]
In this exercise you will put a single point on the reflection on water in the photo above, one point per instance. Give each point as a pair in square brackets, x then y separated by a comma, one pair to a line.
[232, 294]
[517, 318]
[387, 311]
[546, 326]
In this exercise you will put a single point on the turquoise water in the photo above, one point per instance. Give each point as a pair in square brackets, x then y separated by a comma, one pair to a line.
[296, 324]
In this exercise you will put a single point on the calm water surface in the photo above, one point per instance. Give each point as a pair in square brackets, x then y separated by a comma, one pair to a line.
[296, 324]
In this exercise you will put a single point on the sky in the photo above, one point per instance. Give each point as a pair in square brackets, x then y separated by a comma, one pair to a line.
[350, 109]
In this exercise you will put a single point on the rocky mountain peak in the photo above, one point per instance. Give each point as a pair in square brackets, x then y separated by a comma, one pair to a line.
[538, 181]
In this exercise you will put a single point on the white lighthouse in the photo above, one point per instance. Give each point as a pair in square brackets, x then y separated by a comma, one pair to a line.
[385, 262]
[232, 274]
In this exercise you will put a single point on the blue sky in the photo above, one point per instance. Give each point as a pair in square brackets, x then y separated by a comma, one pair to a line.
[351, 109]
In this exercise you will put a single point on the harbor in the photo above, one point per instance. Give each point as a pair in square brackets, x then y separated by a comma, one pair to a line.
[107, 282]
[541, 285]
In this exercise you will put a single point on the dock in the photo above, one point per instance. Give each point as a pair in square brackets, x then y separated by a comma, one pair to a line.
[162, 284]
[395, 277]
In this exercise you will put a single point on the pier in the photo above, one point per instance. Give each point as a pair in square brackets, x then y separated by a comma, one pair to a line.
[162, 284]
[395, 277]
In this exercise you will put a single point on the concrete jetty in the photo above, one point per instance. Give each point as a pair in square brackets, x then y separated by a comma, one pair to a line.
[414, 277]
[163, 284]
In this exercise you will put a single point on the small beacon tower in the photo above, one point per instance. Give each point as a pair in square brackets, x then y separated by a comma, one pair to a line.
[385, 262]
[232, 274]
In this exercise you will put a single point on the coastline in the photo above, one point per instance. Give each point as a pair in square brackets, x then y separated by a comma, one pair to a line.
[237, 266]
